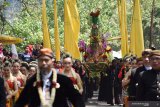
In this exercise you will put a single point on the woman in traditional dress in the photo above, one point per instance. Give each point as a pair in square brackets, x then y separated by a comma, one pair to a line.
[58, 67]
[32, 70]
[11, 83]
[24, 68]
[70, 72]
[21, 79]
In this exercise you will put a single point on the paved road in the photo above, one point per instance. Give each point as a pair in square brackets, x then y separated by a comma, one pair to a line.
[94, 103]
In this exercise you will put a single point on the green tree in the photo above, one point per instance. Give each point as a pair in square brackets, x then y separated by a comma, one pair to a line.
[27, 21]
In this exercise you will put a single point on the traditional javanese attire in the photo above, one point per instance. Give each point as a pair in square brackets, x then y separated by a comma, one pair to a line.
[66, 91]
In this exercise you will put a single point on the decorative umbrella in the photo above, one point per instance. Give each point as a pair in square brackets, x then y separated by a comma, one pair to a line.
[5, 39]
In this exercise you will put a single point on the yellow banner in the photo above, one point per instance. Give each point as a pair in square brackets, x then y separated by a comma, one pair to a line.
[137, 40]
[123, 26]
[46, 36]
[71, 28]
[56, 33]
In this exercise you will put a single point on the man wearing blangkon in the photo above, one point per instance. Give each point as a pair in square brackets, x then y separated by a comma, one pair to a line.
[47, 88]
[149, 83]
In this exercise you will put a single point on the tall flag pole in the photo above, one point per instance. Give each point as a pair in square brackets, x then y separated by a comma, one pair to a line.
[56, 33]
[152, 21]
[123, 26]
[71, 28]
[137, 40]
[46, 36]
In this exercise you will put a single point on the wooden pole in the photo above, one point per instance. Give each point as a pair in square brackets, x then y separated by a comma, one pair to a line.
[151, 28]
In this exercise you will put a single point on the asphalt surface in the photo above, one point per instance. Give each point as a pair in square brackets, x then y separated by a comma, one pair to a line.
[94, 103]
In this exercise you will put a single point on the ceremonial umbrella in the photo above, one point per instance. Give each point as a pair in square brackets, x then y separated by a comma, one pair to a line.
[5, 39]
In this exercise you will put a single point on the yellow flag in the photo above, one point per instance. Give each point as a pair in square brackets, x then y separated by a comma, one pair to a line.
[123, 26]
[46, 37]
[137, 40]
[71, 28]
[56, 33]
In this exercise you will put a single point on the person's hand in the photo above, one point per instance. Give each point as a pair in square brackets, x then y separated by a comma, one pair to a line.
[9, 96]
[124, 82]
[21, 88]
[81, 91]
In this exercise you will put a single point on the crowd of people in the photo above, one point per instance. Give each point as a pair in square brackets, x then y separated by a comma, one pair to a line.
[132, 79]
[16, 74]
[36, 79]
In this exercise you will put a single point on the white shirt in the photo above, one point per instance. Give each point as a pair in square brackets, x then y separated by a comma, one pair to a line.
[46, 83]
[148, 68]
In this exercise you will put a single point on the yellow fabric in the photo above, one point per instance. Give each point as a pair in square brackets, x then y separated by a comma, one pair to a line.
[56, 33]
[137, 40]
[71, 28]
[46, 37]
[123, 26]
[5, 39]
[8, 103]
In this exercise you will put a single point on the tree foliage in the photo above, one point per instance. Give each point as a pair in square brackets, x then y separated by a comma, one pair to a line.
[26, 22]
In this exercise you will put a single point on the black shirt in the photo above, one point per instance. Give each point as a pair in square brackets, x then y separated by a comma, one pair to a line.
[149, 86]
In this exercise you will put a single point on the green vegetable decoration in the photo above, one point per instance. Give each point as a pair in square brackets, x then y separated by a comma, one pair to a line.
[94, 38]
[95, 17]
[96, 50]
[95, 68]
